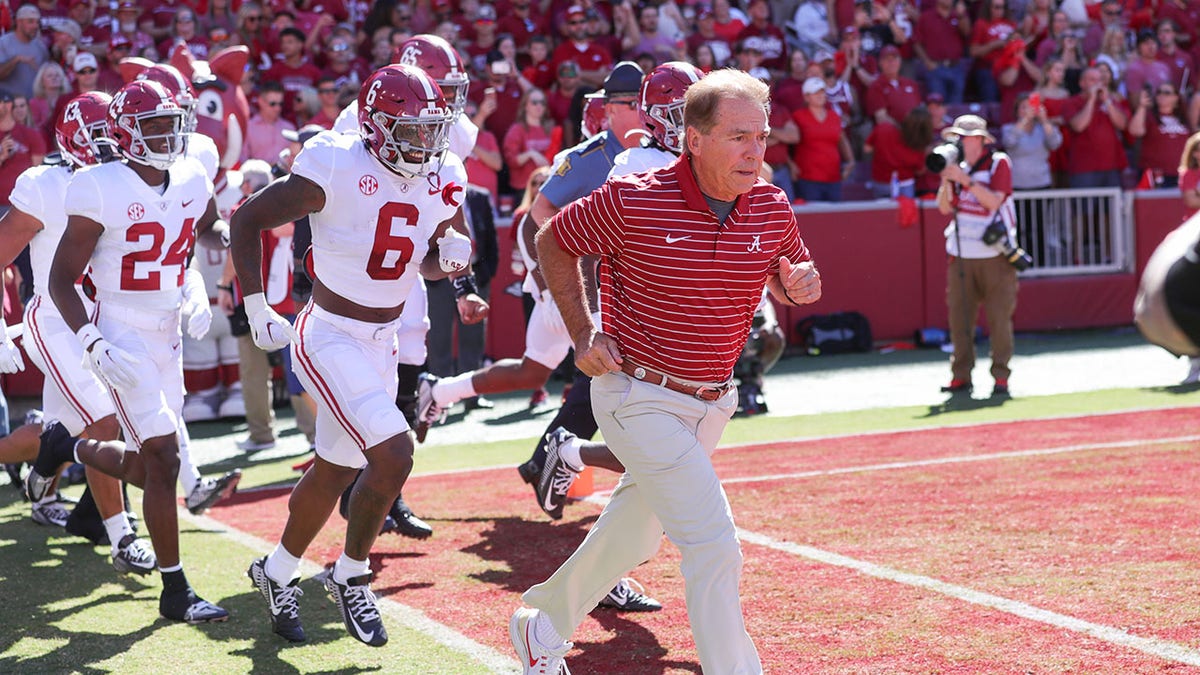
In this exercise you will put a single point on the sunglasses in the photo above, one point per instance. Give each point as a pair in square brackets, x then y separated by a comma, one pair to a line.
[86, 71]
[253, 19]
[576, 22]
[323, 90]
[273, 104]
[537, 101]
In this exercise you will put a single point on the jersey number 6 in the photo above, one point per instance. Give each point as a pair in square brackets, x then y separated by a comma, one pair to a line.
[391, 252]
[176, 255]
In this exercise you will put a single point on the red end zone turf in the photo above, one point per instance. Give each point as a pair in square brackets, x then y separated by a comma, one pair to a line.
[1100, 528]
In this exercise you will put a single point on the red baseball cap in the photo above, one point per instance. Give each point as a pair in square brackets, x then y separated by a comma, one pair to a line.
[889, 50]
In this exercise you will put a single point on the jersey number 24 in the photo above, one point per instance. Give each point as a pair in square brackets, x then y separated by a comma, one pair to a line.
[176, 255]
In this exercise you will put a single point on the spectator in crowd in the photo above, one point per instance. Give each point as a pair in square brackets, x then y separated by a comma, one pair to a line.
[1158, 121]
[594, 61]
[1095, 120]
[1035, 26]
[1060, 26]
[640, 35]
[812, 27]
[327, 102]
[559, 97]
[1145, 71]
[94, 30]
[1016, 74]
[20, 148]
[705, 34]
[1109, 80]
[1029, 143]
[789, 89]
[48, 87]
[126, 24]
[1054, 81]
[305, 104]
[346, 69]
[1114, 53]
[823, 158]
[22, 53]
[855, 67]
[251, 31]
[523, 21]
[778, 157]
[538, 69]
[87, 78]
[158, 17]
[531, 141]
[483, 39]
[940, 42]
[839, 95]
[295, 70]
[898, 154]
[938, 113]
[771, 38]
[1112, 17]
[1070, 53]
[600, 32]
[991, 35]
[891, 96]
[64, 41]
[506, 89]
[704, 58]
[1180, 63]
[749, 58]
[876, 24]
[185, 28]
[219, 14]
[264, 131]
[23, 116]
[109, 78]
[728, 21]
[486, 160]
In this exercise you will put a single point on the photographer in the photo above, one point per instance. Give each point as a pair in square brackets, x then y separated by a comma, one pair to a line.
[981, 242]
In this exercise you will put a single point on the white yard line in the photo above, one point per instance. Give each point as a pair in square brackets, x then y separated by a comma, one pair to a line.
[409, 617]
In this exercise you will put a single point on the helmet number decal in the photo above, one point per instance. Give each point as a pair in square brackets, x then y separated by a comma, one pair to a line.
[393, 250]
[373, 92]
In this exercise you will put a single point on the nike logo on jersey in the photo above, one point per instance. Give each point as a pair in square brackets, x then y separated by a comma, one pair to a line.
[188, 202]
[671, 239]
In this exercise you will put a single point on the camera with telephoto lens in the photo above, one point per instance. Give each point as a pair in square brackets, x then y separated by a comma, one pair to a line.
[943, 155]
[996, 236]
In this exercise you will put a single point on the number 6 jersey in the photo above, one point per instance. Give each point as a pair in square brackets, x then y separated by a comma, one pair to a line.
[370, 238]
[143, 252]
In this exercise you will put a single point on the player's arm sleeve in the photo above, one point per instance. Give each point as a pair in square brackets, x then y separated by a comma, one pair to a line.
[592, 225]
[27, 198]
[84, 197]
[316, 162]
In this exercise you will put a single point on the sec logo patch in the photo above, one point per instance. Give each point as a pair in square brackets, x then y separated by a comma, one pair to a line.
[136, 211]
[368, 185]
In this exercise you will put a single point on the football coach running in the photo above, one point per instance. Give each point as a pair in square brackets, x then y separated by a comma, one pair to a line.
[685, 252]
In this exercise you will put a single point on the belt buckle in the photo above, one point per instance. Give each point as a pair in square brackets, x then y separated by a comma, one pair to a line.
[699, 393]
[379, 332]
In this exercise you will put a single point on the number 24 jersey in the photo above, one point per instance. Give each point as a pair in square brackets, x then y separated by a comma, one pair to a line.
[141, 256]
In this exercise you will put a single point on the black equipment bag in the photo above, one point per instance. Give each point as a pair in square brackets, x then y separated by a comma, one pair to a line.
[837, 333]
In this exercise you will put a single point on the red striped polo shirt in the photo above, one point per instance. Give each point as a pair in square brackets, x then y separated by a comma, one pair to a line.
[678, 290]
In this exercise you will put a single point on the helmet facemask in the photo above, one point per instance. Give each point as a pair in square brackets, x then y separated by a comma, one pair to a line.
[412, 146]
[454, 88]
[140, 147]
[670, 118]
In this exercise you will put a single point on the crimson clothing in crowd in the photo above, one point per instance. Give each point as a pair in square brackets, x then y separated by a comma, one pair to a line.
[729, 31]
[1098, 147]
[558, 105]
[817, 155]
[479, 173]
[540, 75]
[891, 154]
[522, 138]
[198, 45]
[293, 79]
[521, 29]
[1189, 181]
[589, 56]
[940, 36]
[898, 96]
[508, 98]
[1181, 64]
[27, 142]
[987, 32]
[774, 45]
[1162, 146]
[777, 154]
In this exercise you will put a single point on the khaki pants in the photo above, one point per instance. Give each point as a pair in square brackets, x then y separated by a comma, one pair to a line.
[665, 440]
[255, 373]
[991, 282]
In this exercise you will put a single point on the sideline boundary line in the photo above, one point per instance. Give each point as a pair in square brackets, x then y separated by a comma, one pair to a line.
[406, 615]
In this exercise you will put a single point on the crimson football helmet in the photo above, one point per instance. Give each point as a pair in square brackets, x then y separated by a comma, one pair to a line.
[82, 131]
[179, 86]
[143, 103]
[405, 120]
[594, 119]
[437, 57]
[660, 102]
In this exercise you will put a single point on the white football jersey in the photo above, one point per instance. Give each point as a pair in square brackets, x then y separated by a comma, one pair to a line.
[142, 254]
[41, 192]
[462, 134]
[203, 149]
[369, 239]
[638, 159]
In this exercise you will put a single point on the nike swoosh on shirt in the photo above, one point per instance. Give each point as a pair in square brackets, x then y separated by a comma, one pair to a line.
[671, 239]
[188, 202]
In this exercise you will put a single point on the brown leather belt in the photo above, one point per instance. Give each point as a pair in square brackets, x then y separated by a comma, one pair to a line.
[705, 392]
